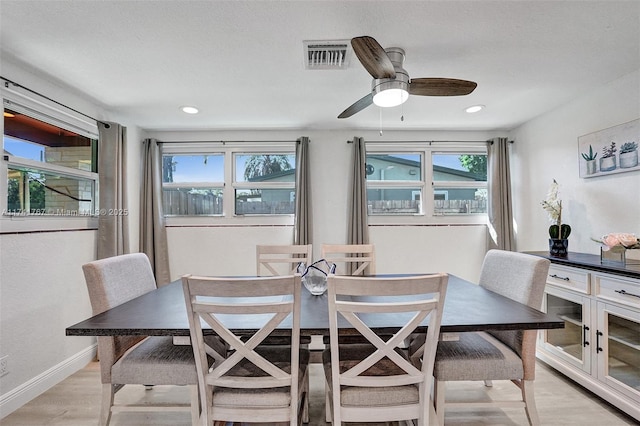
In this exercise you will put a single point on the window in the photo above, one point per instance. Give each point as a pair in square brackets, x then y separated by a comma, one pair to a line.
[264, 183]
[50, 164]
[421, 179]
[459, 183]
[228, 180]
[192, 185]
[394, 183]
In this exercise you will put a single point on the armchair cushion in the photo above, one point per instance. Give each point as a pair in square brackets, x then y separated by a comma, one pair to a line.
[157, 361]
[352, 354]
[476, 356]
[265, 397]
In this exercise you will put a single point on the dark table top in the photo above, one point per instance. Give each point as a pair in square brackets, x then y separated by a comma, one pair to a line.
[468, 307]
[593, 262]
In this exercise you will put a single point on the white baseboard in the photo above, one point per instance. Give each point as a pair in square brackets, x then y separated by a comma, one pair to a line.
[16, 398]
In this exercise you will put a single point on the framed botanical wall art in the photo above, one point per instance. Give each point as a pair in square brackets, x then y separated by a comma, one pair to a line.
[609, 151]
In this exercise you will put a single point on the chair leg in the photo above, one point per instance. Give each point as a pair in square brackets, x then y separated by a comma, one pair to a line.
[195, 405]
[328, 414]
[529, 402]
[108, 392]
[439, 391]
[305, 407]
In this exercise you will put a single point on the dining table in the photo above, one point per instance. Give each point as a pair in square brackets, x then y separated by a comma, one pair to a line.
[468, 307]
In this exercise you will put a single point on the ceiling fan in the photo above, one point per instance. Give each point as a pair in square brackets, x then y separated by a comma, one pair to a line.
[391, 85]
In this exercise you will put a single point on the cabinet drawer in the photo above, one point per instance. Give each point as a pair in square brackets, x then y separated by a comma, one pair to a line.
[573, 279]
[617, 290]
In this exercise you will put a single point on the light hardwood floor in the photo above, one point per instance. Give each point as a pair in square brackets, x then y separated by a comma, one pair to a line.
[76, 402]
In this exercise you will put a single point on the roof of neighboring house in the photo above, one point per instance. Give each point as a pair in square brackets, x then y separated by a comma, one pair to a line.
[441, 169]
[272, 175]
[388, 159]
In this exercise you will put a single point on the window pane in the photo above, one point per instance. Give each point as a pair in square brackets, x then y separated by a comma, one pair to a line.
[460, 167]
[193, 168]
[26, 137]
[394, 201]
[35, 192]
[265, 167]
[394, 167]
[188, 201]
[460, 200]
[265, 201]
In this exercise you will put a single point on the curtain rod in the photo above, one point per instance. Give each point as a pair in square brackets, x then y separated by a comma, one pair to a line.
[224, 142]
[443, 141]
[429, 142]
[7, 82]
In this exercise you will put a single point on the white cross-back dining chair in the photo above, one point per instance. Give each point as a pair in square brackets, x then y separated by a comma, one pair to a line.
[141, 360]
[351, 259]
[265, 383]
[281, 259]
[501, 354]
[376, 381]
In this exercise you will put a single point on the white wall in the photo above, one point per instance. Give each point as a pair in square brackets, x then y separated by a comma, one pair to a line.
[231, 250]
[546, 148]
[42, 288]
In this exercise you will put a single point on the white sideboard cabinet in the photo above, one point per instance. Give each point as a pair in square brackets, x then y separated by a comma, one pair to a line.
[599, 347]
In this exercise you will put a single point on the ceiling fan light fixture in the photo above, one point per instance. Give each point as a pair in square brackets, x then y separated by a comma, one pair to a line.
[189, 109]
[474, 108]
[391, 92]
[390, 97]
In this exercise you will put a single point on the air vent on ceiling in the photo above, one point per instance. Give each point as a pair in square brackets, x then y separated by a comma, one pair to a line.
[326, 54]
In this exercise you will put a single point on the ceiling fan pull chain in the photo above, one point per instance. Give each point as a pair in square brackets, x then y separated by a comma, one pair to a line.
[402, 112]
[380, 111]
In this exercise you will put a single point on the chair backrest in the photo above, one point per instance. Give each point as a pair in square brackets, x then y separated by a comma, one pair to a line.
[351, 259]
[362, 299]
[111, 282]
[281, 259]
[521, 277]
[221, 302]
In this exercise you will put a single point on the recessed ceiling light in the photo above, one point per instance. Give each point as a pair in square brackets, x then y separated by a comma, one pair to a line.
[189, 109]
[474, 108]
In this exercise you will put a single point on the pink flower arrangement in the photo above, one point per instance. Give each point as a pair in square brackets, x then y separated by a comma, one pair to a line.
[620, 239]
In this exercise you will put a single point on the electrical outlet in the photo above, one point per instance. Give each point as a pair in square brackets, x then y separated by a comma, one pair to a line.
[4, 365]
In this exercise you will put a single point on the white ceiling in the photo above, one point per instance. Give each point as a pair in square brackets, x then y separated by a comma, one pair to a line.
[241, 62]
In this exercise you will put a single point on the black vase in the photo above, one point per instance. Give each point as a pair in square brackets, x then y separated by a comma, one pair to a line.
[558, 247]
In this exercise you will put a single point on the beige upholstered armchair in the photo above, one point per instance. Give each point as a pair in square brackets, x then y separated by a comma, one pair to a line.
[501, 354]
[141, 360]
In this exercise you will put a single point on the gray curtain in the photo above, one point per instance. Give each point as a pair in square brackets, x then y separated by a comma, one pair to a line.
[500, 206]
[153, 234]
[113, 225]
[358, 229]
[303, 228]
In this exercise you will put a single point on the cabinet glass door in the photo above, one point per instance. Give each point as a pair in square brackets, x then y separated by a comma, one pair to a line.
[572, 342]
[618, 339]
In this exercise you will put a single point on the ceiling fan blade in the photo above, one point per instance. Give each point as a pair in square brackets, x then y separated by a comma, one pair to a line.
[358, 106]
[373, 57]
[441, 87]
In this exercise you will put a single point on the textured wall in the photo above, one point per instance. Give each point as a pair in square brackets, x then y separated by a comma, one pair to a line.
[546, 148]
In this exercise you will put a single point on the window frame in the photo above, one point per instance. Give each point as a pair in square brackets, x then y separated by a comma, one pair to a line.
[229, 186]
[428, 185]
[54, 114]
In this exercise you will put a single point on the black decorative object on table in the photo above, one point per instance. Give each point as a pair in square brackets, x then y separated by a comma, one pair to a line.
[558, 247]
[558, 232]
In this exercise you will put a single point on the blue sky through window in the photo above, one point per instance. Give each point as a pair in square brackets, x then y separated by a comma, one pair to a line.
[23, 149]
[198, 168]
